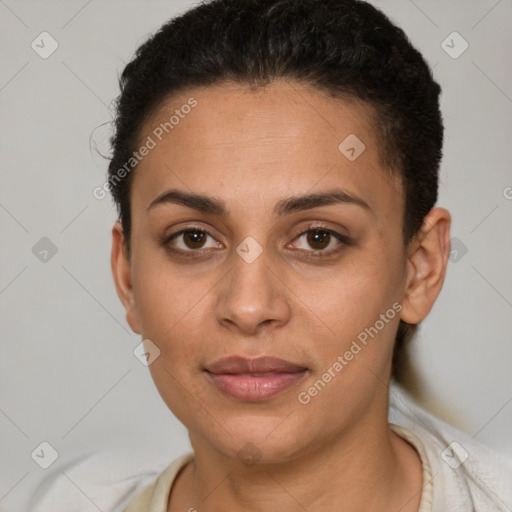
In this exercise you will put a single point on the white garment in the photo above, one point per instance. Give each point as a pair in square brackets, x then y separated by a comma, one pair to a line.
[482, 482]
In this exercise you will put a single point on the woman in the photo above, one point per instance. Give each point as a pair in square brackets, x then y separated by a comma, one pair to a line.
[275, 168]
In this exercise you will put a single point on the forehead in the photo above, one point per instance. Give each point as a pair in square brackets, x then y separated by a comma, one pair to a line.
[239, 142]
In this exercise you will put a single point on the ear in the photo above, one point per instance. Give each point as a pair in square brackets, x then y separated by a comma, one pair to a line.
[427, 260]
[122, 276]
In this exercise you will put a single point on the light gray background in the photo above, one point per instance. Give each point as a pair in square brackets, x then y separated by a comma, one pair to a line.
[68, 374]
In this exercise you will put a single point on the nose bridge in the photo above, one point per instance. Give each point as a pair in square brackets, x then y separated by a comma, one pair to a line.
[252, 296]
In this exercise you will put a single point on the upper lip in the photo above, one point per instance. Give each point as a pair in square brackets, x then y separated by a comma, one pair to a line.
[264, 364]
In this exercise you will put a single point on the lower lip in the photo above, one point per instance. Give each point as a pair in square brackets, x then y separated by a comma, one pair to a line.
[255, 388]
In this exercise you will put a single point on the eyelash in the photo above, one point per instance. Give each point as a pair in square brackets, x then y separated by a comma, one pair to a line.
[343, 240]
[318, 253]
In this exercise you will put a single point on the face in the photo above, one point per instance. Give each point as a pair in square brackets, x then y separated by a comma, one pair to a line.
[254, 235]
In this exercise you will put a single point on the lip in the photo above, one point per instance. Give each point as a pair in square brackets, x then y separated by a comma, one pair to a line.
[254, 380]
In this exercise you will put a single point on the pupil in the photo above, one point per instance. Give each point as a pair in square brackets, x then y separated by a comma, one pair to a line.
[318, 239]
[194, 239]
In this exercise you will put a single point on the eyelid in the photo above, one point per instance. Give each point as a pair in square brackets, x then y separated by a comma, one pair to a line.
[320, 226]
[343, 240]
[166, 241]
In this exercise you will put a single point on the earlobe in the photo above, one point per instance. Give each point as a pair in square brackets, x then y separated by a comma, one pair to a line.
[426, 266]
[121, 273]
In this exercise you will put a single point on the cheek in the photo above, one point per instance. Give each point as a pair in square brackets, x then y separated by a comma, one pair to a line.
[352, 297]
[175, 309]
[172, 310]
[165, 293]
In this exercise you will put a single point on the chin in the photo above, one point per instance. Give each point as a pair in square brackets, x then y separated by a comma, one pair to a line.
[257, 439]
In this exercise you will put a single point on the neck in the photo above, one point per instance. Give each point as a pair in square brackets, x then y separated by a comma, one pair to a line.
[367, 467]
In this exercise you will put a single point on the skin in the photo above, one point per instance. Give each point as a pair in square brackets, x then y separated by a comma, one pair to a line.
[251, 149]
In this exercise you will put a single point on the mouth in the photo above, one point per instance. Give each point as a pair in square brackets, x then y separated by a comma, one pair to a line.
[254, 380]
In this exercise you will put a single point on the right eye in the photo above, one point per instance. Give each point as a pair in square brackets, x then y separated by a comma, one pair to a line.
[191, 240]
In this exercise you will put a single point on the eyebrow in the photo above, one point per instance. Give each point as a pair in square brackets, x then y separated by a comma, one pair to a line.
[207, 204]
[309, 201]
[195, 201]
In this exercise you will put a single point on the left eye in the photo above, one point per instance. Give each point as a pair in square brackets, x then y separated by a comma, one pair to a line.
[318, 239]
[191, 239]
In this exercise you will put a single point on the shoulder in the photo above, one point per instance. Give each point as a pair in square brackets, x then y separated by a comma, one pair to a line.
[155, 496]
[466, 474]
[105, 480]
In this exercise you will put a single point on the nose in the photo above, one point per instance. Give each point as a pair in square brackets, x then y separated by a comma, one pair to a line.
[252, 298]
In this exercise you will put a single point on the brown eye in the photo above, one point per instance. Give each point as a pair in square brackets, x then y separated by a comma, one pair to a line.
[194, 239]
[318, 239]
[191, 241]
